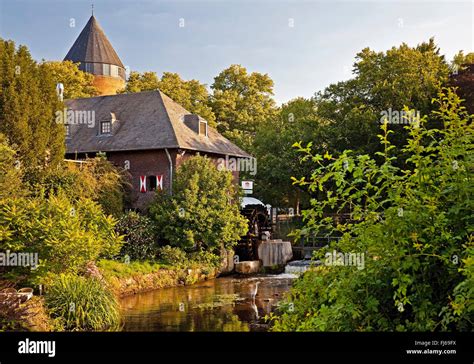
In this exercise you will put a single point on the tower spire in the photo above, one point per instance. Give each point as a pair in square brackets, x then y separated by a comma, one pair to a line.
[96, 55]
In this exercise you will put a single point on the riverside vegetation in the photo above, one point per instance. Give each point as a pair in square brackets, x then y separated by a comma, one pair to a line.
[409, 195]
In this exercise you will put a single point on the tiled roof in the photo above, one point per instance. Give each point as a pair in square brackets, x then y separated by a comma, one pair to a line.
[92, 46]
[144, 120]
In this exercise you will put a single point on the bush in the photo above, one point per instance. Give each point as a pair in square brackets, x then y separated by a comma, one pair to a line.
[139, 235]
[10, 171]
[414, 227]
[65, 235]
[203, 212]
[173, 256]
[82, 304]
[96, 179]
[206, 258]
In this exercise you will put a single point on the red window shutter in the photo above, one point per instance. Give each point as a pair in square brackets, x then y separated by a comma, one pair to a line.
[143, 184]
[159, 182]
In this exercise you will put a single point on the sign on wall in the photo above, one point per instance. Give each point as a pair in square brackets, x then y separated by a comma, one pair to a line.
[247, 186]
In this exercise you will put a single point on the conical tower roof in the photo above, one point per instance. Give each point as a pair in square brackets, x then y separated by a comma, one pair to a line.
[92, 46]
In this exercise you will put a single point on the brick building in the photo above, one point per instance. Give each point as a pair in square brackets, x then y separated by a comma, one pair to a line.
[146, 133]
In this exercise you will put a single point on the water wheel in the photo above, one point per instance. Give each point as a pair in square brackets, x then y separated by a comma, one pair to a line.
[258, 223]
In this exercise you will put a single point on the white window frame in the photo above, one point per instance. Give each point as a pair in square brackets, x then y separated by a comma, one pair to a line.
[102, 123]
[114, 70]
[205, 123]
[106, 69]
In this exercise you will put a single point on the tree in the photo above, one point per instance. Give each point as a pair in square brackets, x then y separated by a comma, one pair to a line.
[77, 84]
[277, 161]
[139, 236]
[10, 171]
[204, 211]
[95, 178]
[28, 103]
[463, 78]
[138, 82]
[402, 76]
[192, 95]
[461, 60]
[241, 103]
[411, 228]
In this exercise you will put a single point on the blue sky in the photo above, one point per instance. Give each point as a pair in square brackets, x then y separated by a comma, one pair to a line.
[317, 50]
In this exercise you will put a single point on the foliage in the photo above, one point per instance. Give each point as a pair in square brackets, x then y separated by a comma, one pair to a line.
[173, 256]
[401, 76]
[77, 84]
[82, 304]
[113, 268]
[463, 78]
[277, 161]
[139, 235]
[95, 178]
[28, 103]
[192, 95]
[205, 258]
[345, 116]
[66, 235]
[241, 102]
[10, 171]
[139, 82]
[414, 227]
[461, 60]
[203, 211]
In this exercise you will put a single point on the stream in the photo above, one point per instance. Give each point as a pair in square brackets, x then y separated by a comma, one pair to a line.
[221, 304]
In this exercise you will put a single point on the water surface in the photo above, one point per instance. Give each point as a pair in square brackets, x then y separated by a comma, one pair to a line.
[222, 304]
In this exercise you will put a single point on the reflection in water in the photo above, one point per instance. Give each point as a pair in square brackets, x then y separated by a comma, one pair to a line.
[223, 304]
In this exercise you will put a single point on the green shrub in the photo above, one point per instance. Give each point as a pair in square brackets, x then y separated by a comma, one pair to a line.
[95, 178]
[173, 256]
[10, 171]
[414, 227]
[82, 304]
[65, 235]
[139, 235]
[203, 212]
[205, 258]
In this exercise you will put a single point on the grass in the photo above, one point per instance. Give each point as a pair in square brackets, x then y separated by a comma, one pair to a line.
[112, 268]
[136, 276]
[82, 304]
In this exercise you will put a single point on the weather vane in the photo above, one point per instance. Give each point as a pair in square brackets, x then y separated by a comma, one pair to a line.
[92, 6]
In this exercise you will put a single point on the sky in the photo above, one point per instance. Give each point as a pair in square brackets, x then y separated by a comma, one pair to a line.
[304, 46]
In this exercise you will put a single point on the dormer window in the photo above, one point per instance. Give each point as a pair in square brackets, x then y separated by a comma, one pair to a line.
[202, 127]
[106, 127]
[196, 124]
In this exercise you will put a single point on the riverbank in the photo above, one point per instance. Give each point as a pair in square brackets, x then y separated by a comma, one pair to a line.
[137, 277]
[123, 279]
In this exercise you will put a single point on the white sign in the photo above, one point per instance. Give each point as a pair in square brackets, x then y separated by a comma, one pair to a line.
[247, 186]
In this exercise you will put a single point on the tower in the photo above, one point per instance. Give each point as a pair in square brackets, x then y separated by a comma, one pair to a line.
[96, 55]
